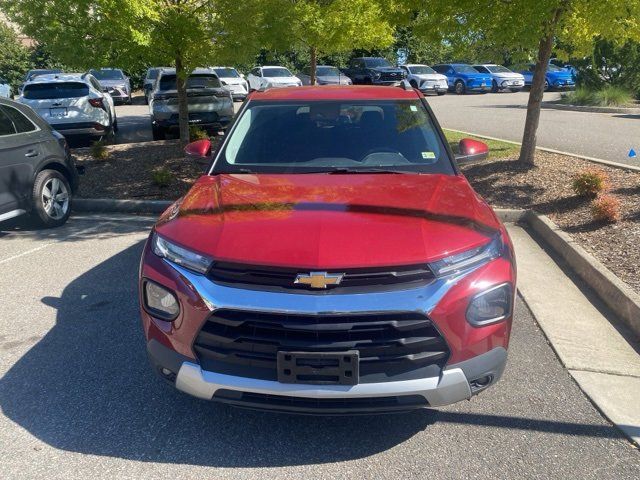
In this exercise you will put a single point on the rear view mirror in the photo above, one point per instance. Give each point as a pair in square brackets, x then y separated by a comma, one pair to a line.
[200, 151]
[471, 150]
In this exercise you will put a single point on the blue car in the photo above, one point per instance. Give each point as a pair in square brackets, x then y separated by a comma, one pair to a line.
[556, 78]
[463, 78]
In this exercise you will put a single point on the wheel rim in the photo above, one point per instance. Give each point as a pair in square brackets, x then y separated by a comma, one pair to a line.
[458, 87]
[55, 198]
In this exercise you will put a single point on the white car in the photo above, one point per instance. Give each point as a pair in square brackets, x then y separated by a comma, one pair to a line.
[502, 77]
[262, 78]
[233, 81]
[5, 88]
[426, 79]
[72, 103]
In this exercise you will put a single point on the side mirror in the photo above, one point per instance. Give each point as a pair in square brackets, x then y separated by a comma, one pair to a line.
[471, 150]
[200, 151]
[242, 75]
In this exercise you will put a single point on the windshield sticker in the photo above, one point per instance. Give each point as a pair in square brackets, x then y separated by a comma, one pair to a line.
[426, 155]
[414, 108]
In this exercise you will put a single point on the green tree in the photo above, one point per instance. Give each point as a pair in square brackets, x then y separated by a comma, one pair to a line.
[14, 57]
[326, 27]
[525, 28]
[133, 33]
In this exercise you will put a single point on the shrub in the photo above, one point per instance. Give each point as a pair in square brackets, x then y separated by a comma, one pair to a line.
[608, 96]
[590, 182]
[606, 208]
[197, 133]
[99, 150]
[161, 177]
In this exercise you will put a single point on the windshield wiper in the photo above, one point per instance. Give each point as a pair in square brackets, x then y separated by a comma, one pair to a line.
[344, 170]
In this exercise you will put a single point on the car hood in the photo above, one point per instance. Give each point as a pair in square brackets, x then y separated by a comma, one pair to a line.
[282, 80]
[508, 76]
[387, 69]
[321, 221]
[566, 75]
[113, 83]
[431, 76]
[232, 80]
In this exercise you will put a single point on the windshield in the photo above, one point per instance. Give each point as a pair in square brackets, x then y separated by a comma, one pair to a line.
[498, 69]
[227, 72]
[276, 72]
[325, 136]
[376, 62]
[46, 91]
[152, 74]
[108, 74]
[553, 68]
[168, 82]
[421, 70]
[327, 72]
[464, 69]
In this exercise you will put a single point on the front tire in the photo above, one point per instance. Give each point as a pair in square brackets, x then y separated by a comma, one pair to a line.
[460, 87]
[494, 87]
[51, 199]
[442, 93]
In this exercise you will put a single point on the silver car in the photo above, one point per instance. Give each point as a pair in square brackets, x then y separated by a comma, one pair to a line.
[37, 173]
[210, 103]
[5, 88]
[115, 82]
[233, 81]
[325, 75]
[150, 80]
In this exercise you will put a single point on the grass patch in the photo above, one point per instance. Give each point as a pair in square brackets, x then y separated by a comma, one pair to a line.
[609, 96]
[497, 149]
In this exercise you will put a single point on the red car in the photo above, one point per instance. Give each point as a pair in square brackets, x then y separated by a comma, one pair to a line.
[332, 260]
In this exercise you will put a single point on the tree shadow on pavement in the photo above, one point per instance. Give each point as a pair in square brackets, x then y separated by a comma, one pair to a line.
[87, 387]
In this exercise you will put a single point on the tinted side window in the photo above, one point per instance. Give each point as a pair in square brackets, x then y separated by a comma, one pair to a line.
[21, 123]
[6, 125]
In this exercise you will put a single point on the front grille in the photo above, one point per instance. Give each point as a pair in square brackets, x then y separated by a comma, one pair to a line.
[391, 77]
[332, 406]
[244, 343]
[278, 278]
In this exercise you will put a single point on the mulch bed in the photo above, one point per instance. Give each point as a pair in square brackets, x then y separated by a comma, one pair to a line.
[545, 188]
[128, 172]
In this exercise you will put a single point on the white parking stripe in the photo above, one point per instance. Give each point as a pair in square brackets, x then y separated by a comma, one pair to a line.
[33, 250]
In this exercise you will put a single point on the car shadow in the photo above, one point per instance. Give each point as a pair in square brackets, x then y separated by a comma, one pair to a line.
[87, 387]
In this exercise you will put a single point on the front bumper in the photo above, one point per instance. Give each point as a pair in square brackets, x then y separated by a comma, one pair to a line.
[434, 88]
[456, 383]
[204, 119]
[80, 129]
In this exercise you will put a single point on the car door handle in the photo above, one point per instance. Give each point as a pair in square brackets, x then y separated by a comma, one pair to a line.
[31, 154]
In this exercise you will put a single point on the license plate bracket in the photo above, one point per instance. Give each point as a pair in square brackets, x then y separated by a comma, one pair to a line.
[319, 368]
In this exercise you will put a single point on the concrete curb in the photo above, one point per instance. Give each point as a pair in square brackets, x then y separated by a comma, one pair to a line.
[589, 109]
[616, 294]
[101, 205]
[559, 152]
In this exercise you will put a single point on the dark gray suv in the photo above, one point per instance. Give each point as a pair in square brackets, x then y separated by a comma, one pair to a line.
[37, 173]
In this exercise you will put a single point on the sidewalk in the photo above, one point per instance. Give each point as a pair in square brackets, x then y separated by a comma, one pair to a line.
[595, 352]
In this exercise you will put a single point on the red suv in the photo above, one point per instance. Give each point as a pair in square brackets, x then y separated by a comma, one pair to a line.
[332, 260]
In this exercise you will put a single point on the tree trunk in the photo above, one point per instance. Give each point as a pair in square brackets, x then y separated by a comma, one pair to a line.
[183, 105]
[314, 64]
[528, 149]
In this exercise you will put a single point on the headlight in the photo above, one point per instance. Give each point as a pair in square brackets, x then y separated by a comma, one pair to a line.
[160, 301]
[179, 255]
[469, 259]
[377, 75]
[490, 306]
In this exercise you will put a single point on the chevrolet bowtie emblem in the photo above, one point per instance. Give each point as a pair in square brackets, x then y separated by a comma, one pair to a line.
[319, 279]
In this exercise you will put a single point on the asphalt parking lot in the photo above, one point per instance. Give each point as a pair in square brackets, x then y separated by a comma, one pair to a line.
[600, 135]
[78, 399]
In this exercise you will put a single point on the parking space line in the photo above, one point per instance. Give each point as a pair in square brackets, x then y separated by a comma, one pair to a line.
[33, 250]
